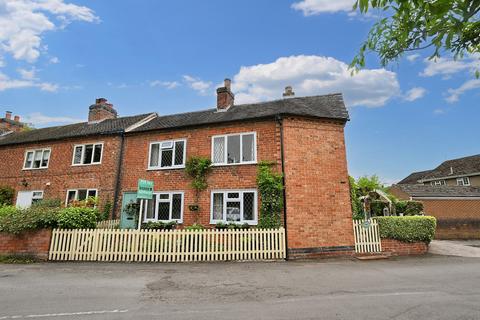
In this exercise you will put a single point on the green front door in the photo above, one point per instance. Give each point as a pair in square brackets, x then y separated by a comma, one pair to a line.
[127, 219]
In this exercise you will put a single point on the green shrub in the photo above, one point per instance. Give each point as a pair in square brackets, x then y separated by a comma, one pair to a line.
[106, 212]
[221, 226]
[376, 207]
[195, 227]
[408, 229]
[158, 225]
[48, 203]
[270, 188]
[6, 195]
[14, 220]
[413, 208]
[77, 218]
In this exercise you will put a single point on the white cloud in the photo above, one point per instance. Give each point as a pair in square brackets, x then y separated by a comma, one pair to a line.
[166, 84]
[413, 57]
[414, 94]
[38, 119]
[314, 75]
[8, 83]
[438, 111]
[23, 23]
[446, 67]
[314, 7]
[454, 94]
[27, 74]
[202, 87]
[54, 60]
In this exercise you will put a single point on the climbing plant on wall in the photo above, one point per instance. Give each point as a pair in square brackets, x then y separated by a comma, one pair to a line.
[198, 168]
[270, 187]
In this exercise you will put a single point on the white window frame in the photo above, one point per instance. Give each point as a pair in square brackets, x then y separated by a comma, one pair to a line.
[225, 200]
[83, 145]
[173, 166]
[225, 156]
[463, 181]
[76, 193]
[33, 159]
[170, 199]
[438, 183]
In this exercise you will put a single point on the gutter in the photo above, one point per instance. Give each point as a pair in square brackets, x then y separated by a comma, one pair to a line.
[279, 120]
[118, 178]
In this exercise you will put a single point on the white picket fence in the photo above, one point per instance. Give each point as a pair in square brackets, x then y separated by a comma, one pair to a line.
[167, 246]
[108, 224]
[367, 236]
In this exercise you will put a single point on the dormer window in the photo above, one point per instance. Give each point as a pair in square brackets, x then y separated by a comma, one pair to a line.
[37, 159]
[465, 181]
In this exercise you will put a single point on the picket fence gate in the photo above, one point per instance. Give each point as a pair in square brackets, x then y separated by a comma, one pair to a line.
[108, 224]
[166, 245]
[367, 236]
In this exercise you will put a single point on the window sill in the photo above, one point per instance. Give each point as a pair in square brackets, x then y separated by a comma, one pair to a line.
[233, 164]
[164, 168]
[163, 221]
[250, 223]
[86, 165]
[33, 169]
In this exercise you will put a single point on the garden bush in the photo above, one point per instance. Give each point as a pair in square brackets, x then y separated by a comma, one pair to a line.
[6, 195]
[158, 225]
[77, 218]
[232, 226]
[14, 220]
[195, 226]
[408, 229]
[409, 208]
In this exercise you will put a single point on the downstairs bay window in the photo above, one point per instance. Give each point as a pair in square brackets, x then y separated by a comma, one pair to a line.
[234, 206]
[165, 207]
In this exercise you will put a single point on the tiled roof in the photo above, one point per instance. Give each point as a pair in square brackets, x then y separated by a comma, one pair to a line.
[420, 190]
[455, 167]
[104, 127]
[414, 177]
[327, 106]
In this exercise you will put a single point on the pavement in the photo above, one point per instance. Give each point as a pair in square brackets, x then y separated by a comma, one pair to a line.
[427, 287]
[467, 248]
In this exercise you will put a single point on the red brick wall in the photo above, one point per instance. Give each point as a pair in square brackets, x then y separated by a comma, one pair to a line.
[35, 243]
[198, 144]
[398, 248]
[60, 173]
[318, 198]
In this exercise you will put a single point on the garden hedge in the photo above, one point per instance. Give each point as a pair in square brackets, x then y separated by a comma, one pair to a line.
[408, 229]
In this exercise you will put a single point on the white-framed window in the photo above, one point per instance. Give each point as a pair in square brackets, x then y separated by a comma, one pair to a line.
[167, 154]
[165, 206]
[438, 183]
[465, 181]
[37, 159]
[87, 154]
[26, 198]
[230, 149]
[237, 206]
[79, 195]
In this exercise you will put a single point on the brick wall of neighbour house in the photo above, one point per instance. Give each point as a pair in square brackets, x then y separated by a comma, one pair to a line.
[318, 199]
[199, 143]
[60, 173]
[33, 243]
[399, 248]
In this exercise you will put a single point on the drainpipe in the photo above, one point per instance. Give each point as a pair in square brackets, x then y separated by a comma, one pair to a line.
[119, 175]
[279, 120]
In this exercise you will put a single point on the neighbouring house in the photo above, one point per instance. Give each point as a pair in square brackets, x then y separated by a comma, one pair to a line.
[303, 137]
[457, 208]
[7, 124]
[456, 172]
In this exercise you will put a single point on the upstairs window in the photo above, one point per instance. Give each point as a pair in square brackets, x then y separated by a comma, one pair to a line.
[234, 149]
[165, 207]
[438, 183]
[80, 195]
[37, 159]
[86, 154]
[235, 206]
[167, 154]
[465, 181]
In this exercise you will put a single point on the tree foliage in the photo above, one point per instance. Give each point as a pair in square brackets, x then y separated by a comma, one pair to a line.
[444, 25]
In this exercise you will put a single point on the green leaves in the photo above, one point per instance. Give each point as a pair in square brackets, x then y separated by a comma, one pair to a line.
[198, 168]
[77, 218]
[270, 187]
[408, 229]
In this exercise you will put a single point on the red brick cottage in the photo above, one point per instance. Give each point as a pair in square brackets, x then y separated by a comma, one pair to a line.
[303, 136]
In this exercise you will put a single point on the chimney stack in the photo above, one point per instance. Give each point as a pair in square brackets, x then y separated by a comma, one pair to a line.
[101, 110]
[225, 97]
[16, 118]
[288, 92]
[8, 115]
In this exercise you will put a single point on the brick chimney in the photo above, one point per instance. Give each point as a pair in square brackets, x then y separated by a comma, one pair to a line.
[16, 118]
[101, 110]
[8, 115]
[225, 97]
[9, 124]
[288, 92]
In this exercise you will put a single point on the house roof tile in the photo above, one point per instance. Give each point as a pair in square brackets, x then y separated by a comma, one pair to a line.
[420, 190]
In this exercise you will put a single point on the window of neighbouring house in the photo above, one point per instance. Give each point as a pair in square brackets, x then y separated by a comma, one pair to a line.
[165, 206]
[80, 195]
[234, 149]
[237, 206]
[87, 154]
[167, 154]
[438, 183]
[37, 159]
[465, 181]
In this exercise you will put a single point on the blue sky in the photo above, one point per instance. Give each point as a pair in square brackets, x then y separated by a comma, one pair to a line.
[57, 56]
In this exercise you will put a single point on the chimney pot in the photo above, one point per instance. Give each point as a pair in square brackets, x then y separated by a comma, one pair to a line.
[101, 110]
[288, 92]
[16, 118]
[225, 97]
[8, 115]
[100, 100]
